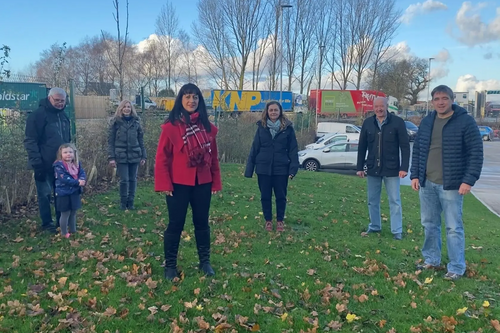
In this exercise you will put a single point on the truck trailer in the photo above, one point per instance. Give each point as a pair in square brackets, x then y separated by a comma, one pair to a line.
[246, 100]
[347, 103]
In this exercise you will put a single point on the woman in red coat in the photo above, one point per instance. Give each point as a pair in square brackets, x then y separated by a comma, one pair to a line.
[187, 171]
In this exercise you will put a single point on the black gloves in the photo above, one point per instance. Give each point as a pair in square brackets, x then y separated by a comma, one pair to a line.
[40, 173]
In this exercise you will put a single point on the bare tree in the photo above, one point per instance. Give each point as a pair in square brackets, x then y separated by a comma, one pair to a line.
[52, 66]
[211, 35]
[346, 36]
[274, 16]
[4, 60]
[404, 79]
[305, 44]
[167, 26]
[292, 17]
[188, 63]
[325, 36]
[373, 33]
[259, 60]
[121, 45]
[242, 19]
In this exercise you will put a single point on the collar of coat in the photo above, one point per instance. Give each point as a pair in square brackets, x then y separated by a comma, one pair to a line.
[457, 112]
[387, 120]
[287, 124]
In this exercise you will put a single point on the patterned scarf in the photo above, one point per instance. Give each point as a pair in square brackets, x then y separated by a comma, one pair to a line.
[196, 140]
[72, 169]
[274, 127]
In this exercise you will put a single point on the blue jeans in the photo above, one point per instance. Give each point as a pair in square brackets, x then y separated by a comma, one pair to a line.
[128, 180]
[44, 191]
[374, 192]
[434, 200]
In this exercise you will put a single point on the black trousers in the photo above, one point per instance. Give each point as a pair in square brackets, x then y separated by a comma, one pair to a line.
[199, 197]
[267, 184]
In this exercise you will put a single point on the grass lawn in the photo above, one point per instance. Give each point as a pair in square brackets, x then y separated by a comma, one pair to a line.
[319, 275]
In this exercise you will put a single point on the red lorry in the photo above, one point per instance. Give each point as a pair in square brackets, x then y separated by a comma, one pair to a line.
[346, 103]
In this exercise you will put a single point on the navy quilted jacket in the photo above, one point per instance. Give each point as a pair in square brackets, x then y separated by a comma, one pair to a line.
[278, 156]
[65, 184]
[462, 150]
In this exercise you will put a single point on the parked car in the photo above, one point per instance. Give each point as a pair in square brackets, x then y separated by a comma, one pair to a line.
[487, 133]
[339, 155]
[412, 130]
[331, 138]
[334, 127]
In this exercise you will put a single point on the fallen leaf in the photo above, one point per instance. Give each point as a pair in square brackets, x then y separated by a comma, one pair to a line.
[255, 328]
[202, 324]
[495, 324]
[351, 317]
[222, 327]
[381, 323]
[486, 304]
[461, 311]
[340, 307]
[109, 312]
[363, 298]
[62, 281]
[428, 280]
[284, 316]
[197, 291]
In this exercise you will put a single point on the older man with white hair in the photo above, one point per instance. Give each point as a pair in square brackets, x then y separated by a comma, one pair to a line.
[384, 135]
[47, 128]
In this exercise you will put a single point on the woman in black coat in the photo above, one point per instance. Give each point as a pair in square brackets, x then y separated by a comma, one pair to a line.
[126, 150]
[274, 157]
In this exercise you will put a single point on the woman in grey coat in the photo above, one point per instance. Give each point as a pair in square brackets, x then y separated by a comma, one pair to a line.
[126, 150]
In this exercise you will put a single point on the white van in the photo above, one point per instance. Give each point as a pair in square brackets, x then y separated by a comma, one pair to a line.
[337, 128]
[329, 139]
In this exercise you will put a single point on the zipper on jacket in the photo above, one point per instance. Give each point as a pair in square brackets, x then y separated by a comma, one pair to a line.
[379, 147]
[60, 125]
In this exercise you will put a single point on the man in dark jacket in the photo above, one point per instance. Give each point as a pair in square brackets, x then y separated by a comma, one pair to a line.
[384, 135]
[447, 161]
[47, 128]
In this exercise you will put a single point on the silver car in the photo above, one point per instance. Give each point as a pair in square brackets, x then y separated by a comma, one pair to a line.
[339, 155]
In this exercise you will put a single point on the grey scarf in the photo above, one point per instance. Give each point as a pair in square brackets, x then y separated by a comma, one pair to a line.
[274, 127]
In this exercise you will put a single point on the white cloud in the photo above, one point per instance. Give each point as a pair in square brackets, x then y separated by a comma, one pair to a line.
[144, 44]
[399, 51]
[421, 8]
[439, 72]
[473, 31]
[442, 56]
[471, 84]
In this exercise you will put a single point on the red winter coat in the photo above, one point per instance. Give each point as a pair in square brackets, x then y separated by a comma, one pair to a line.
[171, 164]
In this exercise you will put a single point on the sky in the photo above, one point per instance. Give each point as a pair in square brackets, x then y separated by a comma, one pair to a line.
[462, 37]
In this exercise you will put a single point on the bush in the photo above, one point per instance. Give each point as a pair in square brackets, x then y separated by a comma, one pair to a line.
[17, 186]
[16, 181]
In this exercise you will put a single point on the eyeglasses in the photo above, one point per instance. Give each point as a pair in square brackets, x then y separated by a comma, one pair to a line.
[58, 100]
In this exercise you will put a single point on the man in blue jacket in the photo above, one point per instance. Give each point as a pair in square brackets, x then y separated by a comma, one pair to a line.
[47, 128]
[384, 135]
[447, 161]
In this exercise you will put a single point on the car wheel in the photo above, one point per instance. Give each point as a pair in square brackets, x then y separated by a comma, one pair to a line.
[311, 165]
[485, 137]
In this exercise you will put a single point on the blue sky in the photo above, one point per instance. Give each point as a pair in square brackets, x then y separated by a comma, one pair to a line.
[468, 45]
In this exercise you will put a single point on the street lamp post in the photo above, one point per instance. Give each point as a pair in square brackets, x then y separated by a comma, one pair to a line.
[428, 86]
[320, 55]
[282, 6]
